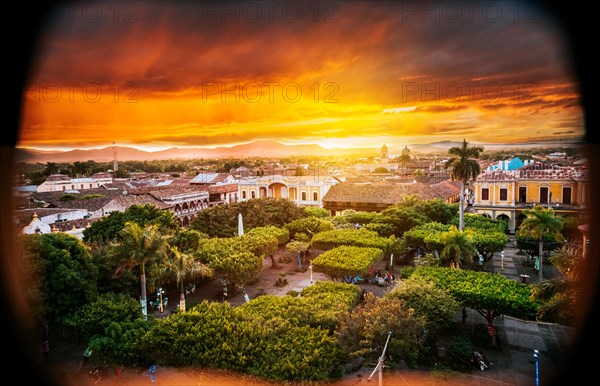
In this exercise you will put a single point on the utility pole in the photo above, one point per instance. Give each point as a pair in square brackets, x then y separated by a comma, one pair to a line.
[380, 362]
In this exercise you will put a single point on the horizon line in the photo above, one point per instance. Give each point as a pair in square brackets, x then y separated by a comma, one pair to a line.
[146, 148]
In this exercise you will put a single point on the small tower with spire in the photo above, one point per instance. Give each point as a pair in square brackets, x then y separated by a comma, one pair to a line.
[384, 152]
[406, 152]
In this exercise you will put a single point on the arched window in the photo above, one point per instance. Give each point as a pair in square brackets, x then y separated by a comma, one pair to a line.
[303, 196]
[253, 194]
[244, 194]
[315, 196]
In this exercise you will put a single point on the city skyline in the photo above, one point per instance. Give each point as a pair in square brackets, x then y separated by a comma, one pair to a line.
[154, 76]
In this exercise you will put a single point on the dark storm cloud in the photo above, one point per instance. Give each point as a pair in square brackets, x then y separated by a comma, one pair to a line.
[381, 45]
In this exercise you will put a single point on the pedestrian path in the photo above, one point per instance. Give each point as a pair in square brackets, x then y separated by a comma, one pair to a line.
[555, 343]
[512, 264]
[504, 263]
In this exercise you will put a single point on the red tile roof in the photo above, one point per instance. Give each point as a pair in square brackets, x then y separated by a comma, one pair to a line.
[389, 193]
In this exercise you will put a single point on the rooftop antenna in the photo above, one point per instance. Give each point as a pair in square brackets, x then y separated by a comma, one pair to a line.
[115, 164]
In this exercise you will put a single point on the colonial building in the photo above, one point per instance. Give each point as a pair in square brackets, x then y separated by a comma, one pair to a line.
[91, 201]
[207, 179]
[375, 197]
[184, 201]
[62, 182]
[303, 190]
[209, 189]
[49, 216]
[222, 194]
[36, 226]
[504, 194]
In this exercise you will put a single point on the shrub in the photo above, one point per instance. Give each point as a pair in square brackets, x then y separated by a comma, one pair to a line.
[461, 348]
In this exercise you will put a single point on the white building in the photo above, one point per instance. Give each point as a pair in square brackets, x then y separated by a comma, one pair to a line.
[303, 190]
[62, 182]
[36, 226]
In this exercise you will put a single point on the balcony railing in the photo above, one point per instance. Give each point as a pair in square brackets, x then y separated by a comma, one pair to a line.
[531, 204]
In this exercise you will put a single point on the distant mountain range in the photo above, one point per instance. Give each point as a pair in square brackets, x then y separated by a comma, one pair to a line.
[254, 149]
[265, 148]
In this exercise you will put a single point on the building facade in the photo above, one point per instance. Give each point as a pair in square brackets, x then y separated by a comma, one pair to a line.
[62, 182]
[303, 190]
[505, 194]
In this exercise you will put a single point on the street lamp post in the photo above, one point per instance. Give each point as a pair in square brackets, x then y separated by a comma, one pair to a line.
[502, 260]
[160, 295]
[537, 367]
[311, 276]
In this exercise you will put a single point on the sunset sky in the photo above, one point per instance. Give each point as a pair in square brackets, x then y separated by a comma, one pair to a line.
[154, 75]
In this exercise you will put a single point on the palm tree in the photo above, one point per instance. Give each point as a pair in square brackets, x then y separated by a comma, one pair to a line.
[457, 246]
[463, 167]
[539, 222]
[51, 168]
[139, 246]
[560, 296]
[183, 265]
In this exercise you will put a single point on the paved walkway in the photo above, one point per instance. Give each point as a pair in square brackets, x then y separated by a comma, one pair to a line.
[555, 343]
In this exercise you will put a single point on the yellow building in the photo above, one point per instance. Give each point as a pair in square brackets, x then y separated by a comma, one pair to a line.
[504, 194]
[303, 190]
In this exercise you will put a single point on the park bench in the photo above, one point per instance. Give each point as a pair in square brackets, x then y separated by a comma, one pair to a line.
[156, 303]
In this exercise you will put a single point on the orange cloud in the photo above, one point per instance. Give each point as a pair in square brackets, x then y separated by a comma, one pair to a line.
[198, 74]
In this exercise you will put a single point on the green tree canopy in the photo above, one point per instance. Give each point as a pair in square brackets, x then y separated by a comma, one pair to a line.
[316, 211]
[229, 260]
[346, 237]
[401, 219]
[458, 247]
[434, 209]
[347, 261]
[222, 220]
[427, 300]
[482, 290]
[187, 240]
[363, 332]
[309, 226]
[64, 277]
[94, 318]
[108, 228]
